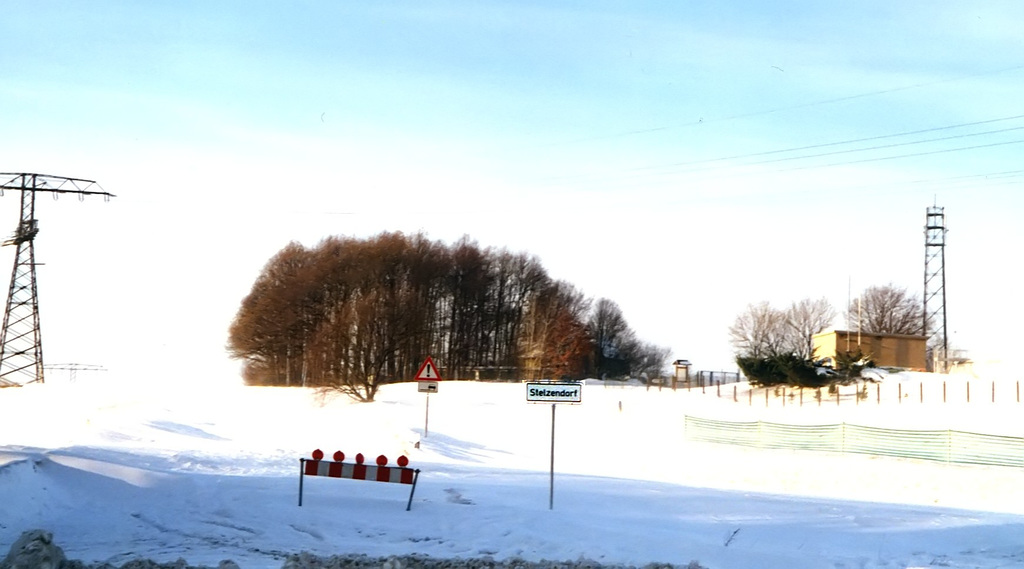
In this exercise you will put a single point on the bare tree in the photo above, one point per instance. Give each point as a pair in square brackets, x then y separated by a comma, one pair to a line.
[887, 310]
[759, 332]
[556, 342]
[613, 340]
[650, 360]
[274, 321]
[355, 314]
[804, 319]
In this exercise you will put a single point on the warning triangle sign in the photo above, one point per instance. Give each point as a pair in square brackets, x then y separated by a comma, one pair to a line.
[428, 371]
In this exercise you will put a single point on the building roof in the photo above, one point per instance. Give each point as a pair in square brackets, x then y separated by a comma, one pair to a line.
[876, 334]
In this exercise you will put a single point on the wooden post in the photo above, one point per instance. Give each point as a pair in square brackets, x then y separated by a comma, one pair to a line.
[943, 391]
[735, 390]
[968, 391]
[921, 387]
[765, 396]
[993, 391]
[901, 392]
[878, 392]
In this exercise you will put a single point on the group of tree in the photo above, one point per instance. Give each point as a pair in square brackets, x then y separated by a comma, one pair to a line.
[774, 346]
[354, 314]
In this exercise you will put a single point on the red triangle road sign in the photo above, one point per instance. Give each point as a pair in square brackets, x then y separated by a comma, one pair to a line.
[428, 371]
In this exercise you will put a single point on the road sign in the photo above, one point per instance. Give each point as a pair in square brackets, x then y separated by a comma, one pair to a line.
[428, 371]
[566, 392]
[427, 379]
[554, 393]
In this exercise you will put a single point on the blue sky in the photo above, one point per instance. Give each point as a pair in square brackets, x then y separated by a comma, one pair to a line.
[683, 160]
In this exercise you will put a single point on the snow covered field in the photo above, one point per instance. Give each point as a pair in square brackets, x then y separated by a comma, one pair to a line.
[120, 470]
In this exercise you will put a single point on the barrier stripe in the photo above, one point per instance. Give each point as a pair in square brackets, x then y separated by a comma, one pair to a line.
[337, 468]
[395, 474]
[406, 476]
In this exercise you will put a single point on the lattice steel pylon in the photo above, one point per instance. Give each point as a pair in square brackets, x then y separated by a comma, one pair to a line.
[934, 326]
[21, 343]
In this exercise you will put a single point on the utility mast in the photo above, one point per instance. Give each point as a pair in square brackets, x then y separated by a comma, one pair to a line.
[21, 344]
[935, 288]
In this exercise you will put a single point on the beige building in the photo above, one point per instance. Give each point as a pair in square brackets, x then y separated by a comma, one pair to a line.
[886, 350]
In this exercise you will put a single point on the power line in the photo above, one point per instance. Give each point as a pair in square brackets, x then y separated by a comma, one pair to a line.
[844, 142]
[975, 182]
[913, 155]
[650, 171]
[864, 149]
[860, 161]
[647, 172]
[703, 121]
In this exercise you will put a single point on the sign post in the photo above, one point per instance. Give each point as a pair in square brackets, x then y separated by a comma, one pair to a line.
[554, 393]
[551, 475]
[427, 378]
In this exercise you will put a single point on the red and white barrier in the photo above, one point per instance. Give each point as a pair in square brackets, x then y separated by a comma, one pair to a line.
[338, 468]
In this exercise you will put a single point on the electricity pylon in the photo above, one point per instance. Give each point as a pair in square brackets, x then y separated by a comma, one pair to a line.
[935, 289]
[21, 344]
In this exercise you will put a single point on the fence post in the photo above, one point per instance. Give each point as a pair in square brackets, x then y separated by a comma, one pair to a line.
[734, 393]
[943, 391]
[819, 397]
[750, 396]
[901, 392]
[766, 396]
[968, 391]
[921, 387]
[993, 391]
[837, 394]
[718, 387]
[878, 392]
[783, 396]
